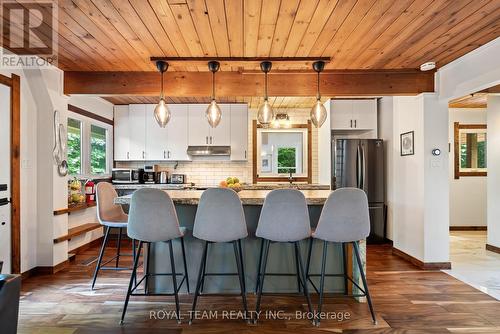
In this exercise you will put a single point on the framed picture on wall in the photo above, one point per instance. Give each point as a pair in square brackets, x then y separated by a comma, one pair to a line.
[407, 144]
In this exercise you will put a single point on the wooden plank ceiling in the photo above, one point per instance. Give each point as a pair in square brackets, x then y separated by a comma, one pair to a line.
[121, 35]
[476, 100]
[253, 102]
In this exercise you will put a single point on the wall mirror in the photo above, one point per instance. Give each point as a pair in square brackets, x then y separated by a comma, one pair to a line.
[281, 152]
[470, 150]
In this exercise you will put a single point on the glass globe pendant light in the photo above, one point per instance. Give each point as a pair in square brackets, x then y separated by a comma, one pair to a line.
[265, 115]
[318, 111]
[213, 112]
[162, 113]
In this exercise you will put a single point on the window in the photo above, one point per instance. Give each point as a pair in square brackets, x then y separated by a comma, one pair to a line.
[74, 146]
[97, 150]
[89, 146]
[470, 149]
[287, 158]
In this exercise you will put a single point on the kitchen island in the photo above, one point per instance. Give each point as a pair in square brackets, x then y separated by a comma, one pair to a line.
[221, 256]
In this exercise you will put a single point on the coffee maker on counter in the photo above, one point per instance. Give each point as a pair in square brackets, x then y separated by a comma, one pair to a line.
[152, 174]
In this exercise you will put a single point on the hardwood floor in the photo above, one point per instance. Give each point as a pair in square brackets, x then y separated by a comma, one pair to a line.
[406, 299]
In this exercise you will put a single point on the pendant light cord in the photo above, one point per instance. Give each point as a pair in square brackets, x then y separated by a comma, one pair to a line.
[161, 92]
[213, 85]
[265, 86]
[318, 95]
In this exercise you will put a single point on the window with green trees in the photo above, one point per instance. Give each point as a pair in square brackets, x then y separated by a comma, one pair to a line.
[74, 146]
[97, 150]
[287, 160]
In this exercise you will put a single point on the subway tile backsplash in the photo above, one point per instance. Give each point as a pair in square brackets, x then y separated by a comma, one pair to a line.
[210, 171]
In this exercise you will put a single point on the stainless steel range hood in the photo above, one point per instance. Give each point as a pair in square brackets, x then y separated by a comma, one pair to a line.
[209, 150]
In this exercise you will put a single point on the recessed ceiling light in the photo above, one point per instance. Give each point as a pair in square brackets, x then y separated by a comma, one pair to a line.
[430, 65]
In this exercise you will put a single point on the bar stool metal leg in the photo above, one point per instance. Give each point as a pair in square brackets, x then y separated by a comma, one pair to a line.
[241, 275]
[204, 270]
[365, 284]
[322, 281]
[242, 265]
[259, 265]
[101, 254]
[146, 268]
[297, 269]
[185, 263]
[309, 252]
[198, 283]
[131, 283]
[262, 274]
[303, 278]
[174, 281]
[118, 246]
[344, 261]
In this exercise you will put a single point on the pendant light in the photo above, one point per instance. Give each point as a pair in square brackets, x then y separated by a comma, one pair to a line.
[213, 112]
[265, 115]
[318, 111]
[162, 113]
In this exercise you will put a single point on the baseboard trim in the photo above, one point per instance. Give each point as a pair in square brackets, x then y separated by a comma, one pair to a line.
[468, 228]
[45, 270]
[420, 264]
[492, 248]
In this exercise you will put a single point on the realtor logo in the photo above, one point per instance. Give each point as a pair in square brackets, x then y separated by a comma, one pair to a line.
[29, 34]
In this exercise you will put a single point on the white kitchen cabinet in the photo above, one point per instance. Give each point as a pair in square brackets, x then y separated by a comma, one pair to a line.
[201, 133]
[177, 133]
[239, 132]
[354, 114]
[156, 136]
[137, 123]
[121, 133]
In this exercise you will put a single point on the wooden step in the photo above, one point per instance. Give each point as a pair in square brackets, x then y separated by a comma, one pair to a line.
[73, 232]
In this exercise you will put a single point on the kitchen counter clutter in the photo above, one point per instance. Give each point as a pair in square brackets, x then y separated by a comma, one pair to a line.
[259, 186]
[248, 197]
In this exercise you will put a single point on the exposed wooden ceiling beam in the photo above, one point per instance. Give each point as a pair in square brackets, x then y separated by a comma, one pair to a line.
[192, 84]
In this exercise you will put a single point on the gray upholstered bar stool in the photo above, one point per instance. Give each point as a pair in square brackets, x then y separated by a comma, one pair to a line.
[109, 216]
[152, 218]
[284, 219]
[220, 219]
[344, 219]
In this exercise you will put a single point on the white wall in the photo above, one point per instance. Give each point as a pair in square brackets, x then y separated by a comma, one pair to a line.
[386, 132]
[42, 189]
[467, 194]
[493, 163]
[475, 71]
[417, 185]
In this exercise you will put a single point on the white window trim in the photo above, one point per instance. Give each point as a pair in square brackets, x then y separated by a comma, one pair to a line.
[86, 123]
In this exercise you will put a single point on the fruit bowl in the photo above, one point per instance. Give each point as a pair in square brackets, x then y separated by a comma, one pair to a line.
[231, 183]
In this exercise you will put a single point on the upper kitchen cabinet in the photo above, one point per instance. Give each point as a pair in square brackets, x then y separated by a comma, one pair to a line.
[137, 134]
[201, 133]
[354, 114]
[239, 132]
[177, 133]
[156, 136]
[121, 133]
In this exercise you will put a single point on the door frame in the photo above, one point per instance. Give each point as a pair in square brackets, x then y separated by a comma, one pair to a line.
[14, 82]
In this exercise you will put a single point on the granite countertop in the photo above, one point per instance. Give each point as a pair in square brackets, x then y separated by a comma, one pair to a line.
[260, 186]
[248, 197]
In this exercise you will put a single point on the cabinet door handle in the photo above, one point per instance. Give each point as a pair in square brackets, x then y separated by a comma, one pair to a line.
[245, 154]
[128, 155]
[168, 154]
[210, 139]
[163, 154]
[206, 140]
[355, 123]
[143, 155]
[351, 123]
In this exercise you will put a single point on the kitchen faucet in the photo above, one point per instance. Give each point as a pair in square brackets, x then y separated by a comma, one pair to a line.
[290, 178]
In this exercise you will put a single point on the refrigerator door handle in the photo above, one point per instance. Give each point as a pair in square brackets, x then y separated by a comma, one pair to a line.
[363, 168]
[358, 167]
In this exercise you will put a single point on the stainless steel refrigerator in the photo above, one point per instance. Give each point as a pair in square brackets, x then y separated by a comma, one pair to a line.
[359, 163]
